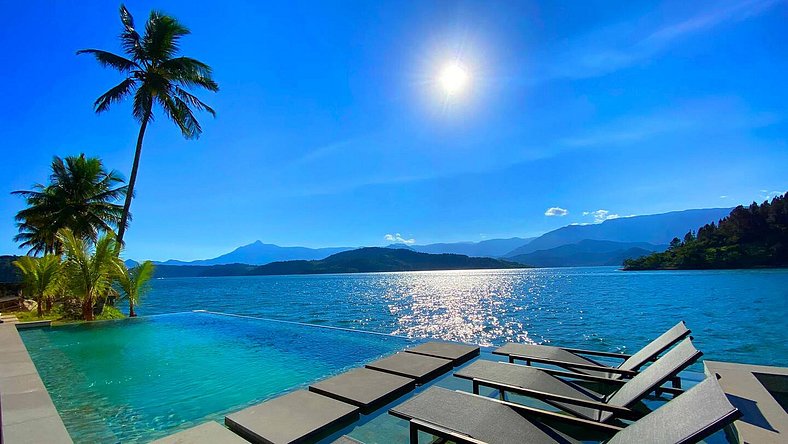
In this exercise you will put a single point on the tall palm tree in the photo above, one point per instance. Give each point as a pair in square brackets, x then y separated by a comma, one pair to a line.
[133, 283]
[154, 74]
[80, 196]
[89, 270]
[39, 276]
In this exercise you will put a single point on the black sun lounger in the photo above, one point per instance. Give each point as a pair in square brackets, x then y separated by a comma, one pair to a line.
[465, 418]
[554, 389]
[574, 359]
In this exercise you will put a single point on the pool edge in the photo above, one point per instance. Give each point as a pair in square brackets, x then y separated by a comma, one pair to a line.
[27, 413]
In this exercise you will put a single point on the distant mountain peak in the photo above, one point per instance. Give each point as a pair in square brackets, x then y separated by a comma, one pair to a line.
[656, 229]
[400, 246]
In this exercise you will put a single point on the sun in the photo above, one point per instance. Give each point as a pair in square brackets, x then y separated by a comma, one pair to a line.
[453, 78]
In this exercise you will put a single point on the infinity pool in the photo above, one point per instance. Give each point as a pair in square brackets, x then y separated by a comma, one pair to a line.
[140, 379]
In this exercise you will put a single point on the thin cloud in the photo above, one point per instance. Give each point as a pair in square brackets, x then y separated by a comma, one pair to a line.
[769, 195]
[397, 238]
[601, 215]
[602, 52]
[556, 211]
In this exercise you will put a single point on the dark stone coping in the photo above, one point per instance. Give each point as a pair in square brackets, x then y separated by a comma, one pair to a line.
[364, 387]
[33, 324]
[411, 365]
[458, 353]
[210, 432]
[296, 417]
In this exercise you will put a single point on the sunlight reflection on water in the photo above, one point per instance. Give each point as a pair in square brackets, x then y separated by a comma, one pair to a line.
[735, 315]
[456, 306]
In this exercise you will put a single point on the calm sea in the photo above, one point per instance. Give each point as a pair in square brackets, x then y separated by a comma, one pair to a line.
[739, 316]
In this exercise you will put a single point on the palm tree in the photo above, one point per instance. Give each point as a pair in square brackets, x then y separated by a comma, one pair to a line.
[154, 75]
[40, 276]
[89, 271]
[80, 196]
[133, 283]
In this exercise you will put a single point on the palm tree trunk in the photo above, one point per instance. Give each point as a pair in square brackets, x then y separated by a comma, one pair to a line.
[40, 302]
[131, 309]
[133, 178]
[87, 309]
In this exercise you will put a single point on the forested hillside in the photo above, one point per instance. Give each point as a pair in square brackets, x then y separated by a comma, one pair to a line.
[754, 236]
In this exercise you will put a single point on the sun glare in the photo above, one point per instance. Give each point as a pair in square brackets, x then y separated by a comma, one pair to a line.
[453, 78]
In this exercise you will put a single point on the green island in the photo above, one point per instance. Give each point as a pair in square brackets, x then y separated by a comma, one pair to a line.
[750, 237]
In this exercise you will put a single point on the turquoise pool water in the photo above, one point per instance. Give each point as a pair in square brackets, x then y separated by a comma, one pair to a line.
[136, 380]
[735, 315]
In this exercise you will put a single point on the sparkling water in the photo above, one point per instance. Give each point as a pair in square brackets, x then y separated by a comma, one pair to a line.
[147, 377]
[735, 315]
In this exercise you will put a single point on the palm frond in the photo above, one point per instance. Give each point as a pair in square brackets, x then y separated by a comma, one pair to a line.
[189, 73]
[130, 38]
[143, 103]
[81, 195]
[193, 101]
[162, 36]
[110, 60]
[116, 94]
[180, 114]
[135, 282]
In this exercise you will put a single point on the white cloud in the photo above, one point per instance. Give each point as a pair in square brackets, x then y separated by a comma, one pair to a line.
[556, 211]
[601, 215]
[397, 238]
[769, 195]
[723, 197]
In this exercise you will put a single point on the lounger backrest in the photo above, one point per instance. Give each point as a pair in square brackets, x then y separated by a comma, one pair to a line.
[666, 367]
[655, 347]
[692, 416]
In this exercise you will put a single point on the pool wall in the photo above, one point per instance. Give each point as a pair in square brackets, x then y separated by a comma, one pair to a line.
[26, 409]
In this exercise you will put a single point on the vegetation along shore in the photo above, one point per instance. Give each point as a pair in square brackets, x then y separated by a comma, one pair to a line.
[750, 237]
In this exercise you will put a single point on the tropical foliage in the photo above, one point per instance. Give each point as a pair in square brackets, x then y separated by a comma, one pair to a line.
[133, 283]
[40, 277]
[81, 196]
[154, 73]
[754, 236]
[89, 269]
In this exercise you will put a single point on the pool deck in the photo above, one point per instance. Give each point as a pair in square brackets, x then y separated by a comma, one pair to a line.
[28, 414]
[764, 420]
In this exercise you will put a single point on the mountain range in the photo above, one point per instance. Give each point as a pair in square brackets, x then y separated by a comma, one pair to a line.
[258, 253]
[624, 238]
[361, 260]
[586, 253]
[656, 229]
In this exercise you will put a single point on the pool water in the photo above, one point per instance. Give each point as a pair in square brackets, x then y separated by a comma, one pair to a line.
[140, 379]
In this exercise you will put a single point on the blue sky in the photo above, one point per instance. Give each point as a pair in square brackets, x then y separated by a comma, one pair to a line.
[331, 129]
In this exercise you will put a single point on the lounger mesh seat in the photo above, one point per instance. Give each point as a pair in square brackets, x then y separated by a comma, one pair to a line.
[544, 385]
[574, 360]
[467, 418]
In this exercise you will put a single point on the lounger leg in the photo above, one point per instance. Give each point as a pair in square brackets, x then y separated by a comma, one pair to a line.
[475, 387]
[676, 382]
[414, 434]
